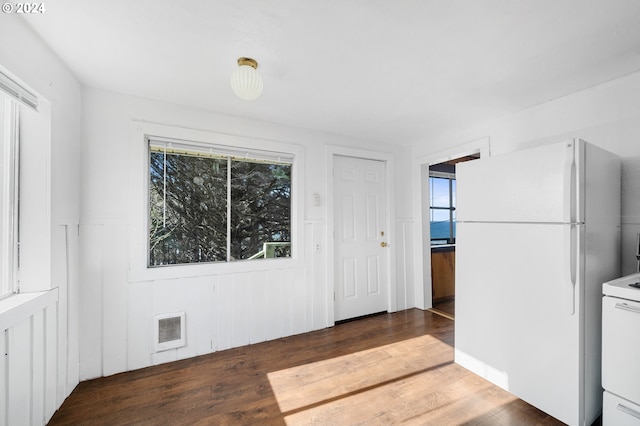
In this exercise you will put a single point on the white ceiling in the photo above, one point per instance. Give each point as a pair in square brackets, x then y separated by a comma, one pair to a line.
[395, 71]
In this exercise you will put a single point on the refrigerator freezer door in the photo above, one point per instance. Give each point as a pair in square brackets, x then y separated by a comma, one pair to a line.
[534, 185]
[512, 324]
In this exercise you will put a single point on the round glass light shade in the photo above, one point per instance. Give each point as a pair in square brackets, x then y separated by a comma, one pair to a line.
[246, 82]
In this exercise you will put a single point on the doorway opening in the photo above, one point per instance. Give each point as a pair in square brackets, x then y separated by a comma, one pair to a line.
[442, 227]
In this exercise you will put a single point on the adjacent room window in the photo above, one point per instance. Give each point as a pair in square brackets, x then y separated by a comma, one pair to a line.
[442, 210]
[217, 204]
[8, 195]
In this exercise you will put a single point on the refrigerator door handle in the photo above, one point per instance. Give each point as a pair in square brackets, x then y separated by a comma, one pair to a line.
[570, 184]
[572, 260]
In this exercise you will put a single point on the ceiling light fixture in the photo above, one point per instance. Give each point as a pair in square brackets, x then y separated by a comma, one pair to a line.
[245, 80]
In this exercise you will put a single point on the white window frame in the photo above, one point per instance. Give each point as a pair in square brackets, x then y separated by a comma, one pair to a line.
[33, 287]
[222, 153]
[141, 132]
[31, 130]
[9, 193]
[452, 208]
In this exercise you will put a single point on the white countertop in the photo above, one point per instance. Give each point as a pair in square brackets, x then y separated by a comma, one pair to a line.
[620, 287]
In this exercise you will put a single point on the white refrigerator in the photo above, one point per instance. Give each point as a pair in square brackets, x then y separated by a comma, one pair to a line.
[538, 232]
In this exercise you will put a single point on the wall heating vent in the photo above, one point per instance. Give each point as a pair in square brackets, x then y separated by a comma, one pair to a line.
[169, 331]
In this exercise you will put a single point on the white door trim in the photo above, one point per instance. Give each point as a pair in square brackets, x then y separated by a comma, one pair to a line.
[422, 245]
[388, 159]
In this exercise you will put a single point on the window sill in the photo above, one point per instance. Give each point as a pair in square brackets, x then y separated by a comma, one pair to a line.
[442, 248]
[207, 269]
[19, 307]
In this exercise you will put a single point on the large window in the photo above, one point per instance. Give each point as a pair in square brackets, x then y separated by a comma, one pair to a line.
[213, 204]
[442, 208]
[8, 194]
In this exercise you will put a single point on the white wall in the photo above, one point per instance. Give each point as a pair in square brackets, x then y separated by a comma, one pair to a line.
[607, 115]
[39, 349]
[223, 308]
[113, 314]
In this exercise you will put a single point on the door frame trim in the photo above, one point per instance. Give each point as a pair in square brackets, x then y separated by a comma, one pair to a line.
[422, 245]
[388, 159]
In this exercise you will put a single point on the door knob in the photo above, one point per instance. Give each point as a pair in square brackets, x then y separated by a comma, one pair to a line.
[383, 244]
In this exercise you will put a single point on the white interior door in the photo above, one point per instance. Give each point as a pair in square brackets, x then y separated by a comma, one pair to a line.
[360, 237]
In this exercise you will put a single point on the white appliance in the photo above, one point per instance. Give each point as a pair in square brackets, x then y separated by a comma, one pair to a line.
[620, 349]
[537, 235]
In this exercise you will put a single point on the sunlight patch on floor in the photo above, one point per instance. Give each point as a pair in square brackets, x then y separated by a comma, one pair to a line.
[403, 381]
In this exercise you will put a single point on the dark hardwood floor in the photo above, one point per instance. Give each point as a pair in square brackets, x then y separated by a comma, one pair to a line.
[384, 369]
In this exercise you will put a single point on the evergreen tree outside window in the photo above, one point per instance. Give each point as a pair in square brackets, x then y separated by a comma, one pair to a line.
[213, 204]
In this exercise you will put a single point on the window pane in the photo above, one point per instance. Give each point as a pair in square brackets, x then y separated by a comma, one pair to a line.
[453, 192]
[260, 210]
[454, 224]
[5, 207]
[439, 192]
[8, 194]
[439, 215]
[440, 224]
[187, 209]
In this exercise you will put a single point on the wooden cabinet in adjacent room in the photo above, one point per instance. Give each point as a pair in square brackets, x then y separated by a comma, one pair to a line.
[443, 265]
